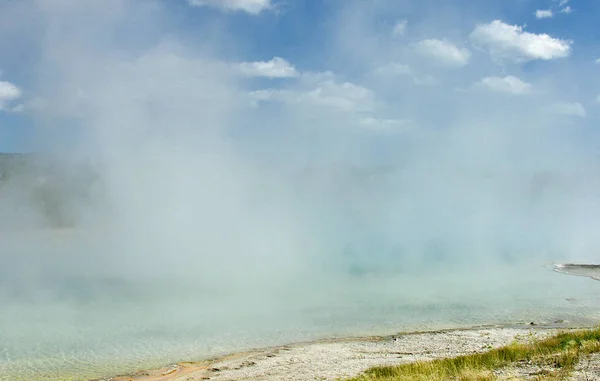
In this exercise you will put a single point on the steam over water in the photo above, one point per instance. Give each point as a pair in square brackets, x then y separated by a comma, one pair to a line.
[82, 327]
[64, 316]
[183, 204]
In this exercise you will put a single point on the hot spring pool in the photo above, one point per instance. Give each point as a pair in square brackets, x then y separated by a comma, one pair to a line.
[109, 332]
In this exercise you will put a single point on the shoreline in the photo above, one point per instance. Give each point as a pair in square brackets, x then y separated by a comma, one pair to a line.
[579, 269]
[340, 358]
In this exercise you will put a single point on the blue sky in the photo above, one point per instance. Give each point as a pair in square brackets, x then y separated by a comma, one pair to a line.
[367, 77]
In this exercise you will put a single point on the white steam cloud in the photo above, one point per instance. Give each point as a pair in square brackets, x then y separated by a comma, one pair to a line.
[245, 201]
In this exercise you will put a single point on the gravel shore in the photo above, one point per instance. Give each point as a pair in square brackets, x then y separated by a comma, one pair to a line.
[338, 359]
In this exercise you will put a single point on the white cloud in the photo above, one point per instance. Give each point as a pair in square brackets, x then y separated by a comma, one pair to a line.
[543, 13]
[275, 68]
[262, 95]
[566, 10]
[344, 96]
[444, 52]
[18, 108]
[8, 94]
[598, 99]
[9, 91]
[597, 61]
[255, 97]
[386, 125]
[427, 80]
[399, 28]
[508, 84]
[570, 109]
[321, 91]
[250, 6]
[510, 42]
[562, 2]
[393, 69]
[396, 69]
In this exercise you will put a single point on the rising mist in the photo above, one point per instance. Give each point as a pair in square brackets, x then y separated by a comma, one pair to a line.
[186, 192]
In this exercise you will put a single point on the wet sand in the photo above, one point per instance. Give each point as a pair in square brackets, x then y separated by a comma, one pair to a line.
[339, 359]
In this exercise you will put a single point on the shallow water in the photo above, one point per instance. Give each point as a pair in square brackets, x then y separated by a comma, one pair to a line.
[89, 326]
[75, 340]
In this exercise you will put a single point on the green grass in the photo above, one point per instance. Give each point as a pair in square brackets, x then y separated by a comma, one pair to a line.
[557, 355]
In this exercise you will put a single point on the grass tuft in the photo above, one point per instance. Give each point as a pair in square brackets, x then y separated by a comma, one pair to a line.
[557, 356]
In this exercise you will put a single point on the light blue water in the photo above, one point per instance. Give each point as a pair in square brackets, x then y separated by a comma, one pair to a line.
[59, 335]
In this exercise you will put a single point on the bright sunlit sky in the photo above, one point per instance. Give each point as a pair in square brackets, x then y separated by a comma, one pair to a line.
[380, 70]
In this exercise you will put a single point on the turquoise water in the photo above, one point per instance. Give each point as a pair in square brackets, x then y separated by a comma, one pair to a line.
[51, 334]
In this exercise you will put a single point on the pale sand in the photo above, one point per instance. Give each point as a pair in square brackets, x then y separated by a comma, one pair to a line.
[338, 359]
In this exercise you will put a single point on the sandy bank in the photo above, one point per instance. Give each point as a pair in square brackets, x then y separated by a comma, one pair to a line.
[331, 360]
